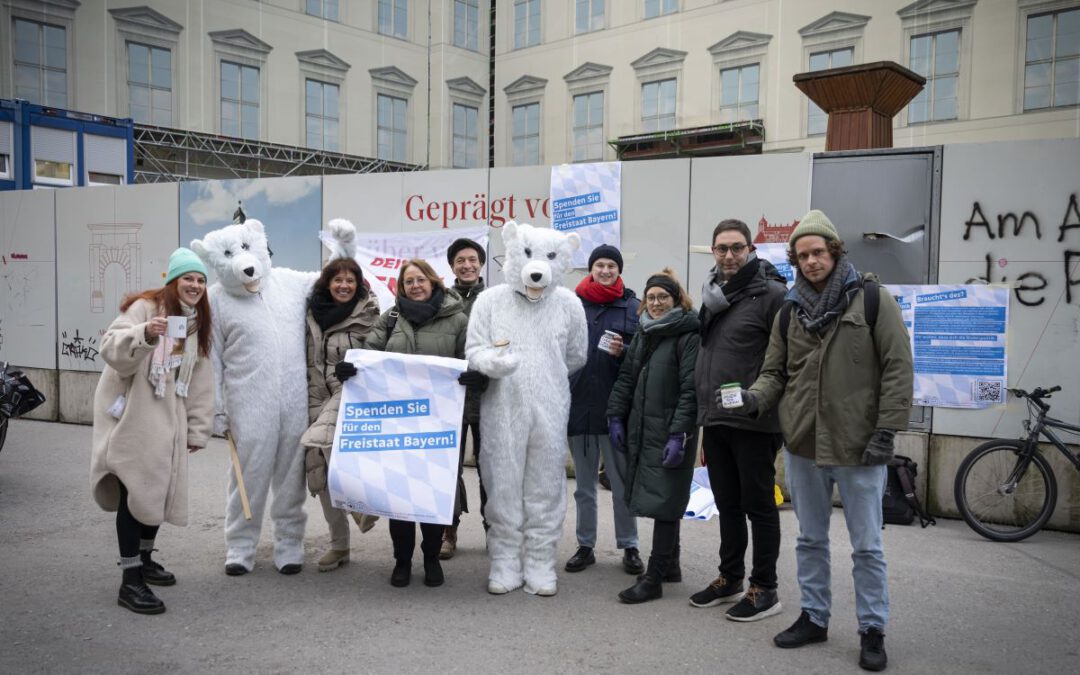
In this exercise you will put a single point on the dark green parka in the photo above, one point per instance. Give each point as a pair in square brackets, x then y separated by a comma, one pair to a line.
[655, 394]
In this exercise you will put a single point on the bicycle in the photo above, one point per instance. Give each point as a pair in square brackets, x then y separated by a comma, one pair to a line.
[996, 493]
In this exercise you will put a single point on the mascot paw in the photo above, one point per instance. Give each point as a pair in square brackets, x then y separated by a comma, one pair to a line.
[340, 238]
[503, 365]
[221, 424]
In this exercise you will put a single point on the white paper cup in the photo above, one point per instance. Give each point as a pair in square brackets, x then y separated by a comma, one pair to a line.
[605, 340]
[177, 327]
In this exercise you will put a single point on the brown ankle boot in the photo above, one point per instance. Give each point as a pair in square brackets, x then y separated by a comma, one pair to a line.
[449, 543]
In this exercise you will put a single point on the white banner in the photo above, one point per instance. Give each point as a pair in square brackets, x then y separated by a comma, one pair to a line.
[381, 256]
[397, 437]
[587, 199]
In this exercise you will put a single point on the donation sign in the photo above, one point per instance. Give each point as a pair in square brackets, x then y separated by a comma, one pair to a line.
[958, 336]
[398, 432]
[586, 199]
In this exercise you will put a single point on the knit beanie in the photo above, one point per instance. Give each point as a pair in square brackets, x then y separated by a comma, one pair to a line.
[666, 282]
[814, 222]
[182, 261]
[463, 243]
[606, 251]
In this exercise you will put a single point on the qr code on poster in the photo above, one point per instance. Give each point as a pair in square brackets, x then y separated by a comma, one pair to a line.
[988, 391]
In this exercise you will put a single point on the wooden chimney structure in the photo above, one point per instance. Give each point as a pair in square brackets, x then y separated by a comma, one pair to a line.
[860, 101]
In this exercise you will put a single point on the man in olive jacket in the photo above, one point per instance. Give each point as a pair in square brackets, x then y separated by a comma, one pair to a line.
[739, 300]
[843, 388]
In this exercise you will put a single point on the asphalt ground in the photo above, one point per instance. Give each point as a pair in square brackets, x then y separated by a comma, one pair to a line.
[960, 604]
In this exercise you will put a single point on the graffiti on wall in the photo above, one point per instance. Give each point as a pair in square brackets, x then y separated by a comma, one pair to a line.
[78, 347]
[1030, 286]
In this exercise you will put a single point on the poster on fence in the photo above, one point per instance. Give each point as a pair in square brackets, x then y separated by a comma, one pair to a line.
[587, 199]
[396, 442]
[958, 336]
[381, 256]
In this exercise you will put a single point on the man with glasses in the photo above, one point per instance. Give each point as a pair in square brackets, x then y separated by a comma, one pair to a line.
[739, 299]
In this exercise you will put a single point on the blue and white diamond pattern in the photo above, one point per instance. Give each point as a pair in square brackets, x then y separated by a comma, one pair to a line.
[605, 178]
[408, 484]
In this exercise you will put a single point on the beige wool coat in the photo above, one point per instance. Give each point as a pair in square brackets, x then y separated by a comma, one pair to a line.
[147, 448]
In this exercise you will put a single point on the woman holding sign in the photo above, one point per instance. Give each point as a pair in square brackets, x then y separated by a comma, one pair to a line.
[341, 312]
[652, 417]
[427, 318]
[154, 403]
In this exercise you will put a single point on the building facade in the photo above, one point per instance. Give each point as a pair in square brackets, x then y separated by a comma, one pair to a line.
[409, 80]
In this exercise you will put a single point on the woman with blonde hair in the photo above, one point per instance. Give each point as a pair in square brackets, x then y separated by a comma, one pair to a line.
[652, 417]
[427, 318]
[153, 405]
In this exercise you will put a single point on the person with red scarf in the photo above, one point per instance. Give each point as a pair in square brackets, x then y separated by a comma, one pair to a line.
[612, 313]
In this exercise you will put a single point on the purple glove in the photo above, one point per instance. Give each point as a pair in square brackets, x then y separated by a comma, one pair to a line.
[674, 451]
[617, 433]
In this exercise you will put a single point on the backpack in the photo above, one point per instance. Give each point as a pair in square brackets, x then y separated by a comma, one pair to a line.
[871, 302]
[900, 505]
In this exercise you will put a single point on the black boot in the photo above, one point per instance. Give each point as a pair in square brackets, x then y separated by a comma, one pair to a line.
[673, 571]
[402, 574]
[153, 573]
[136, 595]
[433, 574]
[648, 587]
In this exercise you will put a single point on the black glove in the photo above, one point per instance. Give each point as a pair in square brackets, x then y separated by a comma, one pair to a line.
[880, 448]
[343, 370]
[474, 379]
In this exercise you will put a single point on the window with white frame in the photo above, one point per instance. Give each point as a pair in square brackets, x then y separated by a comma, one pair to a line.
[466, 151]
[321, 117]
[936, 57]
[589, 15]
[6, 144]
[658, 105]
[105, 159]
[40, 63]
[526, 23]
[659, 7]
[739, 93]
[589, 127]
[817, 122]
[149, 84]
[1052, 60]
[54, 156]
[393, 133]
[467, 24]
[327, 9]
[525, 135]
[394, 18]
[239, 100]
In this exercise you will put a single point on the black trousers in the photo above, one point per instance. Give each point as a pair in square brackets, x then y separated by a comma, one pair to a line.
[128, 530]
[403, 534]
[742, 472]
[461, 505]
[665, 539]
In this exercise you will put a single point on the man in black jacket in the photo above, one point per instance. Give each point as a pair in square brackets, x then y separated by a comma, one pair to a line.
[740, 298]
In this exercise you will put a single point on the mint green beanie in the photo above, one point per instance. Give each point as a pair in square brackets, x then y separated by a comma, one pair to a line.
[182, 261]
[814, 222]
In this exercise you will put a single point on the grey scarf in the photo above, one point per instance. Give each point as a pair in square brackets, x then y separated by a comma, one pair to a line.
[649, 324]
[817, 310]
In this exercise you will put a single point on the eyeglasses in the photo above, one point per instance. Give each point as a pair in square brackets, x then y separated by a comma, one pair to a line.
[658, 298]
[722, 250]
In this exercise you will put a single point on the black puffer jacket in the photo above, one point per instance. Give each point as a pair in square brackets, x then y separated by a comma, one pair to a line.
[733, 345]
[654, 393]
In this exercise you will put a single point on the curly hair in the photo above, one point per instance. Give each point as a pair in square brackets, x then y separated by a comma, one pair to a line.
[336, 267]
[834, 246]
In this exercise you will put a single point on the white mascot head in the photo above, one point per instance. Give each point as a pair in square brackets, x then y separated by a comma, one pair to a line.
[536, 258]
[238, 254]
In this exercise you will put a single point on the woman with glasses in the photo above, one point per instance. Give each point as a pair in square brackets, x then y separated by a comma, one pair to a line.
[427, 318]
[652, 417]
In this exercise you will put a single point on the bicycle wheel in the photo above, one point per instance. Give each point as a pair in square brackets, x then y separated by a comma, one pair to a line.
[3, 431]
[988, 505]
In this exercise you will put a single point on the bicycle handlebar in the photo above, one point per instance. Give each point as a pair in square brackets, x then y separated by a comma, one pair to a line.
[1035, 394]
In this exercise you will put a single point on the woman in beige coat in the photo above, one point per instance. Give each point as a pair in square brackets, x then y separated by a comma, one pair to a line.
[153, 404]
[341, 312]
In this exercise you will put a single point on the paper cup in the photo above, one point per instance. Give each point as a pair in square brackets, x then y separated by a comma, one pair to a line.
[731, 395]
[177, 327]
[605, 340]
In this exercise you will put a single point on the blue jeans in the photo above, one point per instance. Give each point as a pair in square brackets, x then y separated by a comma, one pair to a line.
[861, 489]
[586, 451]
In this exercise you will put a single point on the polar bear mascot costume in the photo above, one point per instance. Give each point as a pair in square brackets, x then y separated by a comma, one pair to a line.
[525, 408]
[260, 378]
